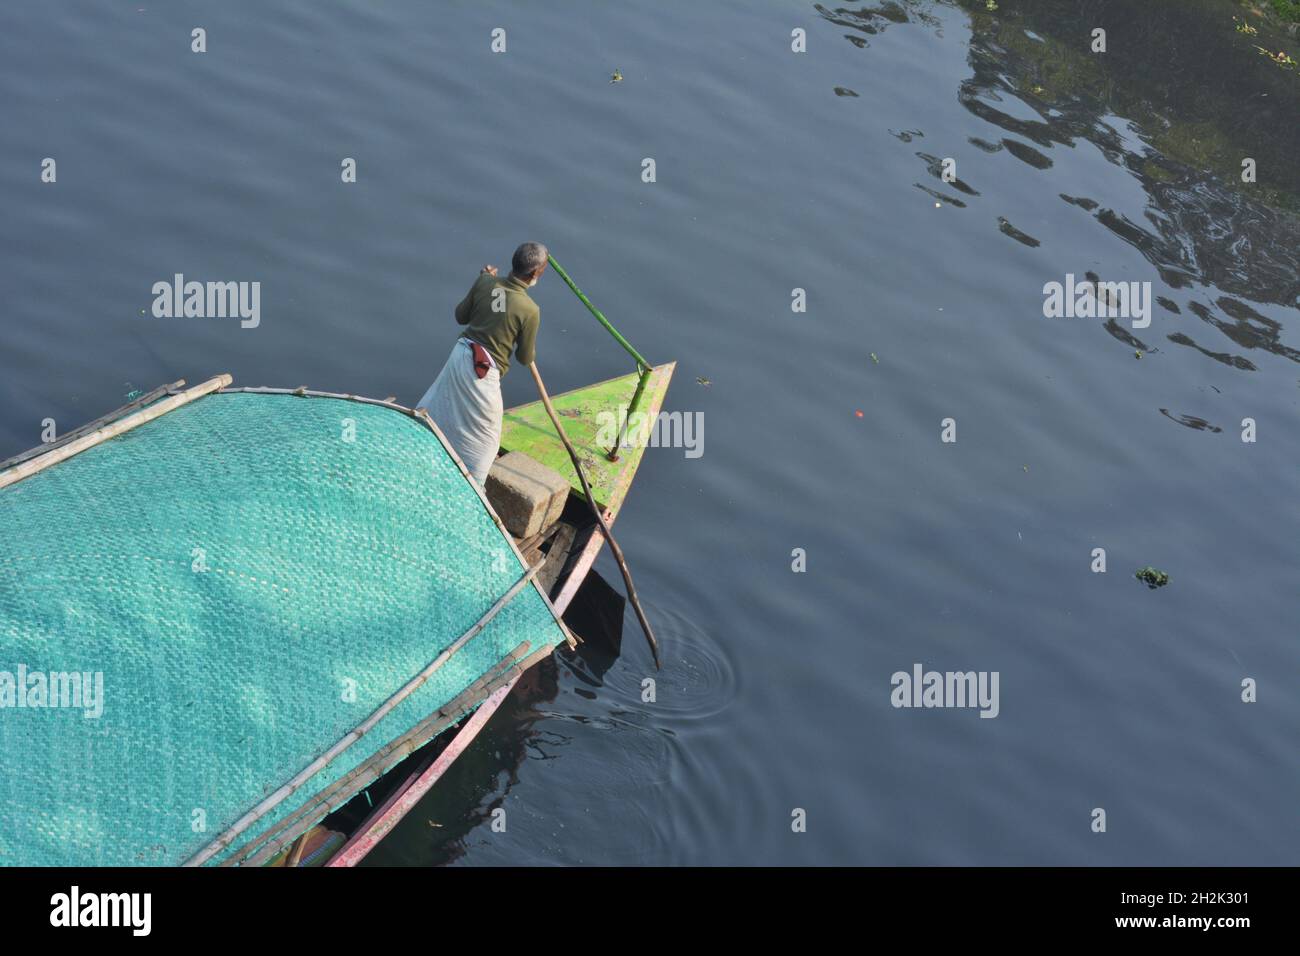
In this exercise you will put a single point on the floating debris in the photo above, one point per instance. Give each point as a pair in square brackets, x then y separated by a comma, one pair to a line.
[1137, 354]
[941, 197]
[991, 5]
[1152, 577]
[1191, 421]
[857, 413]
[1281, 58]
[874, 359]
[703, 381]
[616, 77]
[1024, 238]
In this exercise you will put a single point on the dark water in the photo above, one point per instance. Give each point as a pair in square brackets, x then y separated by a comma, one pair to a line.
[775, 170]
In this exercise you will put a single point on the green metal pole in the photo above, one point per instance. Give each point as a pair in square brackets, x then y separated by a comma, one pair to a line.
[612, 454]
[641, 362]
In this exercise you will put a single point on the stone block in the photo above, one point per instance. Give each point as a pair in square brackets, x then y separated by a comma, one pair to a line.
[527, 495]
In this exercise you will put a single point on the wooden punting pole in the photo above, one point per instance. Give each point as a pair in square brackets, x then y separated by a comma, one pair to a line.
[600, 518]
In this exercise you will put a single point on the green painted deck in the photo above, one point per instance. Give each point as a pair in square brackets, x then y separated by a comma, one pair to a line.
[588, 413]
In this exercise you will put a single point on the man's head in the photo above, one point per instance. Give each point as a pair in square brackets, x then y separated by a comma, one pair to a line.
[529, 262]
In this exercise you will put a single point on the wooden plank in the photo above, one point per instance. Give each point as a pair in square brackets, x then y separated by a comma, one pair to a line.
[112, 430]
[558, 556]
[412, 792]
[384, 759]
[146, 399]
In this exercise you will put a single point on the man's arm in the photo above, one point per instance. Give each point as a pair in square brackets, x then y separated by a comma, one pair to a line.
[466, 306]
[526, 341]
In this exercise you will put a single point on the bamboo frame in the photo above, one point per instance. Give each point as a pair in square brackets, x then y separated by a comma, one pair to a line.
[273, 841]
[303, 392]
[90, 426]
[295, 852]
[287, 790]
[112, 430]
[412, 791]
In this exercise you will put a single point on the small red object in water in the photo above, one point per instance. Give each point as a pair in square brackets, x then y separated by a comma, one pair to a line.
[858, 413]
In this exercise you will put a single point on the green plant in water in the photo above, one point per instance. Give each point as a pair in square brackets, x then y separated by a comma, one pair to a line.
[1152, 577]
[1281, 58]
[1286, 9]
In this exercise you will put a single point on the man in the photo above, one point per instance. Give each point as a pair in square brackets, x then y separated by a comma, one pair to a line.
[499, 316]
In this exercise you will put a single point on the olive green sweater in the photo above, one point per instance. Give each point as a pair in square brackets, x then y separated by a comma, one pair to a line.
[501, 321]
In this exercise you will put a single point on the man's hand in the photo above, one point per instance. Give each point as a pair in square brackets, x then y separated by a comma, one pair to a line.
[488, 271]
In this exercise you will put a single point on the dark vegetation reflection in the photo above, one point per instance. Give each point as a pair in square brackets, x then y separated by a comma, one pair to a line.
[1191, 129]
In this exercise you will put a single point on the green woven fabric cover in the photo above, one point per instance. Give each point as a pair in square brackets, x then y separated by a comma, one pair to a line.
[331, 564]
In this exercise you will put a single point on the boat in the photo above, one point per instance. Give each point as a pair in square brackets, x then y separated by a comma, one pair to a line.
[293, 610]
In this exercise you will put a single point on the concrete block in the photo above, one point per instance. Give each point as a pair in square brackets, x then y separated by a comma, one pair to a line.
[527, 495]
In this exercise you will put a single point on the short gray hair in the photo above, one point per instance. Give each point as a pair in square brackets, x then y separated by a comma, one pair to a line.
[528, 258]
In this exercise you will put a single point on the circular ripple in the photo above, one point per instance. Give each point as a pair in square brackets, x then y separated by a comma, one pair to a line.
[698, 678]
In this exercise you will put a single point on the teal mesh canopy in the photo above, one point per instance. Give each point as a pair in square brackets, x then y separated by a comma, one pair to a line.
[343, 551]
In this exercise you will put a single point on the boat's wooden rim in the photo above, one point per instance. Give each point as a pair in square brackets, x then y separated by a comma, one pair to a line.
[421, 780]
[402, 800]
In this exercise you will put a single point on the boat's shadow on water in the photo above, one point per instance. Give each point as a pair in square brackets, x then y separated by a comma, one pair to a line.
[631, 729]
[473, 797]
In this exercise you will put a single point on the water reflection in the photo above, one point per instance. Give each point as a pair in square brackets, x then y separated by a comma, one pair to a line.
[1150, 107]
